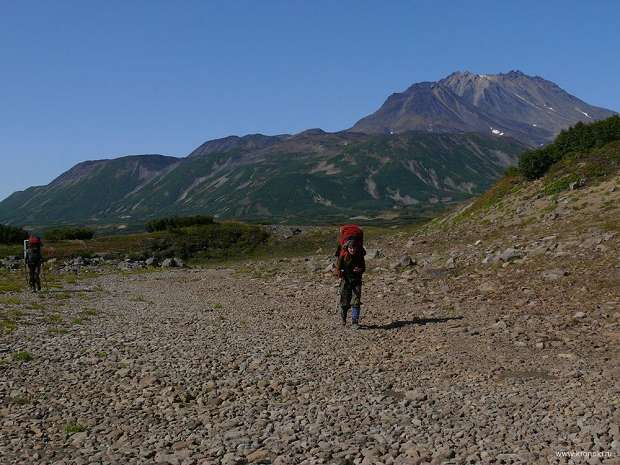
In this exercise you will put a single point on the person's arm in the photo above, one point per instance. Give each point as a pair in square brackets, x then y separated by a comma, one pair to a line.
[338, 267]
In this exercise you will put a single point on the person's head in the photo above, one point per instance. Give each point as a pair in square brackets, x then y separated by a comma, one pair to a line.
[352, 247]
[34, 241]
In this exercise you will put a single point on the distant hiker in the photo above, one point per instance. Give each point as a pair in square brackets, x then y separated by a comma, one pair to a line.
[350, 267]
[34, 260]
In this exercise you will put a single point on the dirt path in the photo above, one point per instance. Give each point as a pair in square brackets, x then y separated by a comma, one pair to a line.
[208, 367]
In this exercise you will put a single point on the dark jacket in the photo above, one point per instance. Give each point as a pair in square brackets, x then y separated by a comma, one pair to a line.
[34, 256]
[346, 263]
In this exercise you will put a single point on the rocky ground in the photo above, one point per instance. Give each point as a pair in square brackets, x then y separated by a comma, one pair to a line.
[478, 345]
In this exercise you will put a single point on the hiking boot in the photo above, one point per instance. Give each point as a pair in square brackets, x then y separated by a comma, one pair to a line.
[355, 325]
[343, 316]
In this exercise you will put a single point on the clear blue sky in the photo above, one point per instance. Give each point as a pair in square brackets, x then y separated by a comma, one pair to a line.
[84, 79]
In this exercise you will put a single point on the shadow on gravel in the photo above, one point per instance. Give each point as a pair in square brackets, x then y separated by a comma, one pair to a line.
[64, 291]
[416, 321]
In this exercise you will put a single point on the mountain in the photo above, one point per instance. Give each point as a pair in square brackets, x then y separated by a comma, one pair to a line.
[528, 108]
[313, 176]
[432, 145]
[89, 188]
[236, 143]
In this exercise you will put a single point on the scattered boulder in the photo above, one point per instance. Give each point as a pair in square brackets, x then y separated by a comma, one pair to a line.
[172, 263]
[372, 254]
[12, 263]
[510, 254]
[416, 395]
[555, 274]
[151, 261]
[577, 184]
[404, 261]
[491, 258]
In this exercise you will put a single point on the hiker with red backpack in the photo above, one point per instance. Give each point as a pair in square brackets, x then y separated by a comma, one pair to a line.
[350, 266]
[34, 259]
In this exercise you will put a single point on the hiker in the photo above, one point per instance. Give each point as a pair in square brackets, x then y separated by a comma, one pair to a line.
[34, 260]
[350, 267]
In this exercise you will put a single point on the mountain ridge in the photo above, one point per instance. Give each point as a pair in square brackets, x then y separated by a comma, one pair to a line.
[529, 108]
[479, 112]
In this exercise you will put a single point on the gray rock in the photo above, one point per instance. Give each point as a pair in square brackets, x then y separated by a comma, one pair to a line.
[491, 258]
[372, 254]
[405, 261]
[172, 263]
[416, 395]
[555, 274]
[510, 254]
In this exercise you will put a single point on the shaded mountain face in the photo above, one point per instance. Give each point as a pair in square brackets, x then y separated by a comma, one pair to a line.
[88, 189]
[530, 109]
[311, 177]
[236, 143]
[436, 143]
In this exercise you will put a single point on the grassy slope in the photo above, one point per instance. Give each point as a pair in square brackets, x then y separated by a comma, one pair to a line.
[513, 203]
[290, 187]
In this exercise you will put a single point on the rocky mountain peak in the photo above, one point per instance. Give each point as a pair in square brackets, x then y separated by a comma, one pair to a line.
[514, 104]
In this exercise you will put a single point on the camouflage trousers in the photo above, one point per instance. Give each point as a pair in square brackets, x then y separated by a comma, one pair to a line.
[34, 276]
[350, 294]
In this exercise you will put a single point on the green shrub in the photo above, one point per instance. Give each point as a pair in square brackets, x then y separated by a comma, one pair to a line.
[12, 234]
[174, 222]
[558, 185]
[73, 427]
[22, 356]
[579, 138]
[210, 241]
[64, 234]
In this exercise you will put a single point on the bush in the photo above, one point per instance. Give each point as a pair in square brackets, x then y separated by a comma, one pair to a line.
[535, 163]
[581, 137]
[174, 222]
[63, 234]
[12, 234]
[210, 241]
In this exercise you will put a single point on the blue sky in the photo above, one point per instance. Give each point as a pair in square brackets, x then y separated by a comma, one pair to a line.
[84, 80]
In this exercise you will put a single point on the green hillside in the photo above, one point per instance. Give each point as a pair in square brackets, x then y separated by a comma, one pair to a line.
[314, 177]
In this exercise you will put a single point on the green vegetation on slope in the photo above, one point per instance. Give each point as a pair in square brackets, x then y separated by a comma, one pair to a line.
[63, 234]
[174, 222]
[12, 234]
[569, 143]
[313, 179]
[572, 170]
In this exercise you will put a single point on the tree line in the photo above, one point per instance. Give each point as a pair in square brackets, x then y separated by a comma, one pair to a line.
[581, 137]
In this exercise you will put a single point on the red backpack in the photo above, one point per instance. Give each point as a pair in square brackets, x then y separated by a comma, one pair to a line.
[350, 232]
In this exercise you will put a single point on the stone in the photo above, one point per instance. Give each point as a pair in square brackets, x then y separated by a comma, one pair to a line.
[77, 439]
[148, 380]
[510, 254]
[372, 254]
[173, 263]
[491, 259]
[258, 456]
[555, 274]
[416, 395]
[168, 263]
[579, 315]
